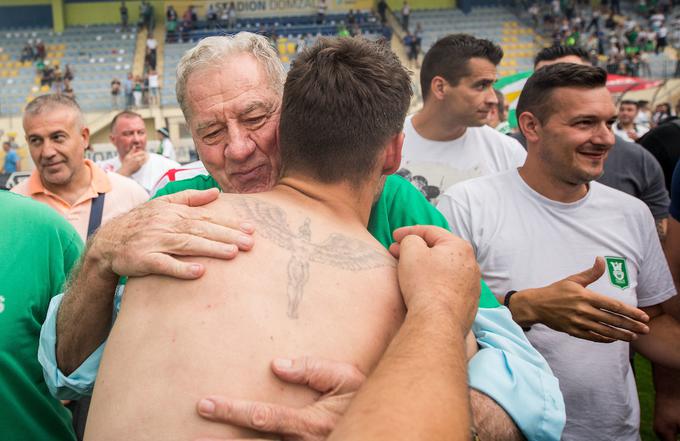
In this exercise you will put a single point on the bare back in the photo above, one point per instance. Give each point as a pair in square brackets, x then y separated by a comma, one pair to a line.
[312, 285]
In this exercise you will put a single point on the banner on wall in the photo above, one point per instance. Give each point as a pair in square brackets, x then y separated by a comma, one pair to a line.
[270, 8]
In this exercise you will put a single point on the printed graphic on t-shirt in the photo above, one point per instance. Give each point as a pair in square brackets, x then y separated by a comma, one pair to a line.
[618, 273]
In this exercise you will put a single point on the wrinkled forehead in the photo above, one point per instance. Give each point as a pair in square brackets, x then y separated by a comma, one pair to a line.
[126, 123]
[53, 116]
[235, 87]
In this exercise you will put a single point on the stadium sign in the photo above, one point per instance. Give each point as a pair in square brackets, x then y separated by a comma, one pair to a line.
[271, 8]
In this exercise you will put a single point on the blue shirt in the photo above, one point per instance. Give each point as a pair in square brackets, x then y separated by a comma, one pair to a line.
[11, 161]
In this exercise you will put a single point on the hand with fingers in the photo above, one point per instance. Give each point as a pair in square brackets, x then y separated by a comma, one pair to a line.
[336, 381]
[132, 162]
[147, 239]
[569, 306]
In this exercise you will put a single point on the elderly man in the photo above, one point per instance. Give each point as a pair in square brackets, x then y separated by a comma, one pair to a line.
[548, 221]
[128, 135]
[236, 138]
[320, 260]
[63, 179]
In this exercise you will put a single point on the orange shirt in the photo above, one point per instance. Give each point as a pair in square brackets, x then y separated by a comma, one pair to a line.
[122, 195]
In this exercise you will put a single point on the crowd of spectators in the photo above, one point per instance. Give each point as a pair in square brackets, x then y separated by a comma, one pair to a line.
[622, 44]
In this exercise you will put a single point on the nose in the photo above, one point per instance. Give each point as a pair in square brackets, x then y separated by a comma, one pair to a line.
[48, 150]
[240, 146]
[604, 136]
[491, 98]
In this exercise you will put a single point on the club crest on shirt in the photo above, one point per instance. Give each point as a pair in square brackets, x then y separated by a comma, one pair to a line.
[618, 272]
[2, 303]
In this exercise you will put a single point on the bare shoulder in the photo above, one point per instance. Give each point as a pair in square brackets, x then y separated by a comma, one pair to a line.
[318, 237]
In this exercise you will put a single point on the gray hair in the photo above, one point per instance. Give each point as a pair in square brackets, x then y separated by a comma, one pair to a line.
[39, 104]
[211, 50]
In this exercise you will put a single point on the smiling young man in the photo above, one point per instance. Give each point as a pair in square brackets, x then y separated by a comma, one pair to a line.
[448, 141]
[548, 221]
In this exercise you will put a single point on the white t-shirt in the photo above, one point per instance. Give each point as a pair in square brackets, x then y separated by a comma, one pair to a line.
[167, 149]
[153, 81]
[434, 166]
[148, 174]
[639, 130]
[524, 240]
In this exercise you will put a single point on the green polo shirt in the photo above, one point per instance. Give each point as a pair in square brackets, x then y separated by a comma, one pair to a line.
[400, 205]
[39, 248]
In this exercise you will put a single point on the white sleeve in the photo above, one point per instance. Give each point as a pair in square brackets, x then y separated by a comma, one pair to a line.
[453, 206]
[655, 283]
[517, 152]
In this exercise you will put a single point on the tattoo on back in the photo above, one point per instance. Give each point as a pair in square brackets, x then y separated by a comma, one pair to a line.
[337, 250]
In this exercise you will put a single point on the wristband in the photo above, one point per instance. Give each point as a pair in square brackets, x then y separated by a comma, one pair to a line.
[506, 303]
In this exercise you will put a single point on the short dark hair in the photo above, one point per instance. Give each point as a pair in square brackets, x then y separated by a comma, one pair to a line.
[554, 52]
[537, 92]
[343, 100]
[449, 56]
[42, 102]
[629, 102]
[124, 114]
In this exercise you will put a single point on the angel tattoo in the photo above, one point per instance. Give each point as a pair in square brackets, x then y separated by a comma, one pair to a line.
[337, 250]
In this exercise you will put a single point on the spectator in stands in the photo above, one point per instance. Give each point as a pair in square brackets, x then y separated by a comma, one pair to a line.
[150, 59]
[128, 88]
[661, 114]
[63, 179]
[27, 52]
[68, 73]
[123, 16]
[321, 8]
[171, 13]
[405, 14]
[351, 18]
[128, 135]
[231, 15]
[115, 93]
[411, 46]
[211, 16]
[68, 89]
[257, 146]
[40, 50]
[171, 30]
[382, 11]
[187, 22]
[625, 125]
[12, 159]
[447, 140]
[154, 88]
[146, 15]
[165, 147]
[138, 92]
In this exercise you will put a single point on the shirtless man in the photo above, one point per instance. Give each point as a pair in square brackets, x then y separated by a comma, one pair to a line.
[319, 295]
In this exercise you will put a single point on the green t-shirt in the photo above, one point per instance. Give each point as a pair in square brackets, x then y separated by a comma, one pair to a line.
[39, 248]
[400, 205]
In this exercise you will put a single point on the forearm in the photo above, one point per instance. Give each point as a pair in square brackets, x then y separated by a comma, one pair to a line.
[660, 346]
[666, 382]
[84, 318]
[424, 364]
[490, 420]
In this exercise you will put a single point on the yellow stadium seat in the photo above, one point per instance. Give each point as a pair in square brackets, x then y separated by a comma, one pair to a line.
[284, 59]
[282, 48]
[291, 47]
[45, 88]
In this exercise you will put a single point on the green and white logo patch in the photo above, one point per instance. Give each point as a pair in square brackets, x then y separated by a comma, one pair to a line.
[618, 272]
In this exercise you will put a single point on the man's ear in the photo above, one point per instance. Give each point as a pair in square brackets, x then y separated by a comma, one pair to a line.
[85, 133]
[529, 125]
[393, 154]
[437, 87]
